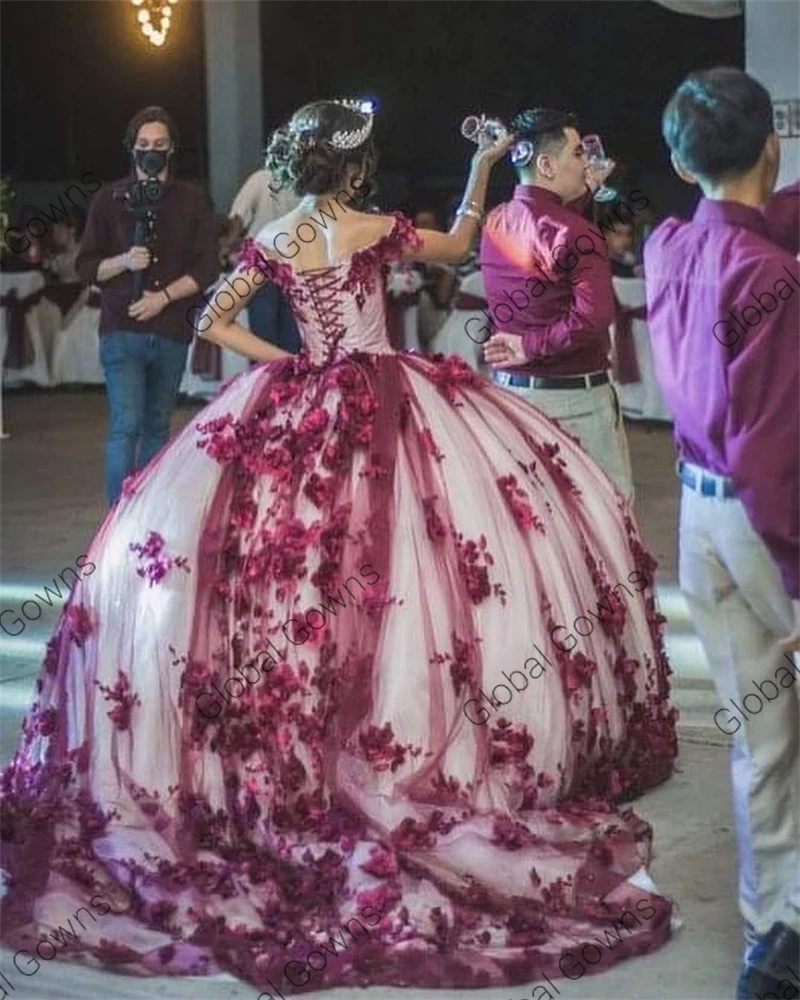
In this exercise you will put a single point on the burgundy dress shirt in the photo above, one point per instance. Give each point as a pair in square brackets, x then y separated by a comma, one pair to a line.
[722, 304]
[186, 244]
[538, 249]
[782, 213]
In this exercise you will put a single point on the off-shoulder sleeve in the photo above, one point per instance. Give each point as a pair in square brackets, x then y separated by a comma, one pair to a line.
[251, 254]
[403, 236]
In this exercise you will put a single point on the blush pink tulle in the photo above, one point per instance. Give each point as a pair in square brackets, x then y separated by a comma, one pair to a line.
[349, 776]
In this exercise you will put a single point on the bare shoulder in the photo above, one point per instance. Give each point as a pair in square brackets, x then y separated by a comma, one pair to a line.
[372, 224]
[351, 227]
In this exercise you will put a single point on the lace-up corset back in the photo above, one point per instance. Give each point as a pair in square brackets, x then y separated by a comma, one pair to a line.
[340, 309]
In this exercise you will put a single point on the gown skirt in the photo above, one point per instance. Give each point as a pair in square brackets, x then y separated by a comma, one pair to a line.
[357, 679]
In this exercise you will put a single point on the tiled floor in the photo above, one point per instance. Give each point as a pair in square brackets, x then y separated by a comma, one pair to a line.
[52, 503]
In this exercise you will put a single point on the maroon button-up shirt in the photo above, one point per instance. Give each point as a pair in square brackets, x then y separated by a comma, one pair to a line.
[722, 306]
[782, 213]
[537, 248]
[186, 244]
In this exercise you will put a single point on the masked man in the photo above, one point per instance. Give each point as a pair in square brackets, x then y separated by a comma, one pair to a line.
[149, 244]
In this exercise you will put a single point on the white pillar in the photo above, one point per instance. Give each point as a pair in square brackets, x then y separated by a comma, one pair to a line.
[233, 93]
[772, 51]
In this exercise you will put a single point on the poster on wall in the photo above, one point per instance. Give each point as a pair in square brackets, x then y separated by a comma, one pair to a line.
[787, 118]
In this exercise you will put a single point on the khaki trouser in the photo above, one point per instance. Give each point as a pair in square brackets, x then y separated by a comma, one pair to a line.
[593, 416]
[740, 609]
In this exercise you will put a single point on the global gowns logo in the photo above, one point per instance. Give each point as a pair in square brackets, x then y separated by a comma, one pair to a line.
[264, 662]
[50, 596]
[788, 676]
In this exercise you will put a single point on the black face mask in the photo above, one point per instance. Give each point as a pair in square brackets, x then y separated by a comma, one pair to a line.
[151, 161]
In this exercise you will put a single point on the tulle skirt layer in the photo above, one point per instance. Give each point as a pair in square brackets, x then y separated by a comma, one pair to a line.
[368, 659]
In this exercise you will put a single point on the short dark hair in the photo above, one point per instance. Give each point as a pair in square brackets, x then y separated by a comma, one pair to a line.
[717, 121]
[75, 218]
[153, 113]
[543, 127]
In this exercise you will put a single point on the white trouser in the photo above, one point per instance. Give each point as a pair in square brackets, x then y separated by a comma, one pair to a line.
[740, 610]
[593, 416]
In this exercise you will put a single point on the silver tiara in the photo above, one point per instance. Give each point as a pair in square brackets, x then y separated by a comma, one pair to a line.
[355, 137]
[351, 139]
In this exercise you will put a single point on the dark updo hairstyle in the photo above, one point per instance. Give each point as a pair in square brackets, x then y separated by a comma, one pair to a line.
[301, 156]
[717, 121]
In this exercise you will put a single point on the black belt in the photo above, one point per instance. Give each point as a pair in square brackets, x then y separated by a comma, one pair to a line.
[555, 381]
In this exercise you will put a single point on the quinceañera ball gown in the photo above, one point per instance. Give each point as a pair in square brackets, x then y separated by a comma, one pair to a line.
[317, 681]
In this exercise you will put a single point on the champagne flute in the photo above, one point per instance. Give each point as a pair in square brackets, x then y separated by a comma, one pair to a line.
[596, 157]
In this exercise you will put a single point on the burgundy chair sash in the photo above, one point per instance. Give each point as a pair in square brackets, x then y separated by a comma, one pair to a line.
[20, 352]
[624, 363]
[396, 306]
[404, 299]
[470, 303]
[207, 359]
[65, 294]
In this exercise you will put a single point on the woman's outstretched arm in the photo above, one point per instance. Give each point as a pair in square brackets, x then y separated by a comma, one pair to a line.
[454, 246]
[217, 322]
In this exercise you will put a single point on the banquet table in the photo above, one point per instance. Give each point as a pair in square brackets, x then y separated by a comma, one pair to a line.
[49, 336]
[454, 335]
[230, 364]
[39, 326]
[640, 399]
[403, 285]
[75, 356]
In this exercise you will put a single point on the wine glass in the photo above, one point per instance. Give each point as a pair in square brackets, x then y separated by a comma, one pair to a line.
[596, 157]
[475, 127]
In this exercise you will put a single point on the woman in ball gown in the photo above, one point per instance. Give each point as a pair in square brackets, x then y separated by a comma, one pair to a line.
[324, 678]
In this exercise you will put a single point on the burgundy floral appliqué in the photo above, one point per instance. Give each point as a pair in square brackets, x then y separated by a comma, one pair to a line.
[157, 562]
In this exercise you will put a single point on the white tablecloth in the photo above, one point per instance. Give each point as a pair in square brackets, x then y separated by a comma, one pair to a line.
[453, 338]
[232, 364]
[403, 279]
[76, 356]
[640, 400]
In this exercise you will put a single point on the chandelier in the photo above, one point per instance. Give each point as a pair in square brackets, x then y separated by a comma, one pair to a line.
[152, 12]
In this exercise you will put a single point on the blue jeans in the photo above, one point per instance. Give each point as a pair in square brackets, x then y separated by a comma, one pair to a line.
[271, 319]
[143, 374]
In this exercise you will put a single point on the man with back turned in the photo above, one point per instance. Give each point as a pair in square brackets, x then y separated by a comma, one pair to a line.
[734, 390]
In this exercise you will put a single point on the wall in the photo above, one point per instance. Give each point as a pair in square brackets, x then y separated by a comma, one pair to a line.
[772, 49]
[233, 93]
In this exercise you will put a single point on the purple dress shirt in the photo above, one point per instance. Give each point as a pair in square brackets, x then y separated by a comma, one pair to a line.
[722, 305]
[547, 277]
[782, 213]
